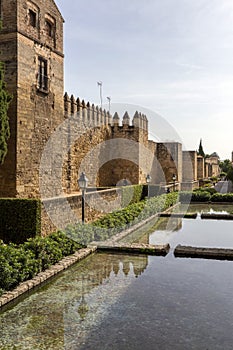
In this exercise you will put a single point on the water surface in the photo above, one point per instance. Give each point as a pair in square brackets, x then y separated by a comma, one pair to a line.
[127, 302]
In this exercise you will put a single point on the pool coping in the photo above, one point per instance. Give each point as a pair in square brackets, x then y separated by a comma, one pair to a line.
[183, 251]
[69, 260]
[43, 276]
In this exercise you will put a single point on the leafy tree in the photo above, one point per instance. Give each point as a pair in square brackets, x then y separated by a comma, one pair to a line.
[225, 165]
[5, 99]
[200, 150]
[230, 174]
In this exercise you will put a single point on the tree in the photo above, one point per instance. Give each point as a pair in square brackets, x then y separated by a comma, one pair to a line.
[230, 174]
[225, 165]
[200, 150]
[5, 99]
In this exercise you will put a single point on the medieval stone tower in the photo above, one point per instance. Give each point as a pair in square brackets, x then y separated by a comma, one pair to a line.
[31, 46]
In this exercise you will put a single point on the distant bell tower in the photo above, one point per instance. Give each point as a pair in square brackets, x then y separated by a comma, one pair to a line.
[31, 47]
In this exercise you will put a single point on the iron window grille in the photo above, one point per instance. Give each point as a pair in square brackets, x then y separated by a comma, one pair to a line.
[43, 80]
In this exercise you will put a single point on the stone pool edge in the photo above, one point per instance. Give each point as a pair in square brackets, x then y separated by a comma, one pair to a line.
[43, 276]
[68, 261]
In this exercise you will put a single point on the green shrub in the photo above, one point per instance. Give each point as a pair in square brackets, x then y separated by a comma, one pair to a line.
[201, 196]
[196, 196]
[205, 196]
[21, 262]
[119, 220]
[219, 197]
[80, 233]
[210, 190]
[133, 194]
[20, 219]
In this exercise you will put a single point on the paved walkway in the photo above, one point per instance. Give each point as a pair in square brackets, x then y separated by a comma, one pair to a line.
[223, 186]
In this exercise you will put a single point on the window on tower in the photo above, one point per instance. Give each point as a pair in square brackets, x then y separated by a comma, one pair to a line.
[43, 82]
[32, 18]
[49, 28]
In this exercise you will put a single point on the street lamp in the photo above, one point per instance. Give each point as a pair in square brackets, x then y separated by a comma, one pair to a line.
[148, 181]
[148, 178]
[125, 182]
[82, 183]
[174, 181]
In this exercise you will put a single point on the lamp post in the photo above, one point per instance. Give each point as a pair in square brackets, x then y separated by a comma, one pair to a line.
[174, 181]
[148, 181]
[125, 182]
[148, 178]
[82, 183]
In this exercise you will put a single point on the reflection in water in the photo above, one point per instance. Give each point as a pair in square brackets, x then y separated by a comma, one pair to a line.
[64, 312]
[194, 232]
[98, 304]
[164, 228]
[205, 208]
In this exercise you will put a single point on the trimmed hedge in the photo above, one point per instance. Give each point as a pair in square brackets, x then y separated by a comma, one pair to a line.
[197, 196]
[219, 197]
[211, 190]
[120, 220]
[21, 262]
[133, 194]
[204, 196]
[20, 219]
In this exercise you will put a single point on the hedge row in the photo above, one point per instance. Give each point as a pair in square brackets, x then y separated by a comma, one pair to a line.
[119, 220]
[204, 196]
[133, 194]
[211, 190]
[21, 262]
[20, 219]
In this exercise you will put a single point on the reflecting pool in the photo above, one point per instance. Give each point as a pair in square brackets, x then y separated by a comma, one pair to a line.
[127, 302]
[195, 232]
[133, 302]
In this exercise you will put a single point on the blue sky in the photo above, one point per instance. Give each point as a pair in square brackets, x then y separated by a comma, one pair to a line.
[173, 57]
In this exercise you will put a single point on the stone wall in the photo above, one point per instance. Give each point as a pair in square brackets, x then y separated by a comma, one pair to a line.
[59, 212]
[105, 150]
[200, 167]
[189, 166]
[34, 112]
[169, 156]
[212, 163]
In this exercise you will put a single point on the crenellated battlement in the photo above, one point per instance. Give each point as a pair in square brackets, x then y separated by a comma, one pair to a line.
[89, 114]
[139, 120]
[94, 116]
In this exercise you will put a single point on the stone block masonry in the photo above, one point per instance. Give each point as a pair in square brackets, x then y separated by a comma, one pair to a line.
[59, 212]
[33, 59]
[108, 150]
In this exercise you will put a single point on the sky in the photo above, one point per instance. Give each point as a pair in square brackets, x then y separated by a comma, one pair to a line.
[171, 57]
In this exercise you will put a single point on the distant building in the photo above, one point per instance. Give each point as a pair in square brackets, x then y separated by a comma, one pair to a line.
[212, 163]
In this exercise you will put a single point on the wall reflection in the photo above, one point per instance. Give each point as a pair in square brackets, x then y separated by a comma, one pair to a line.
[63, 312]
